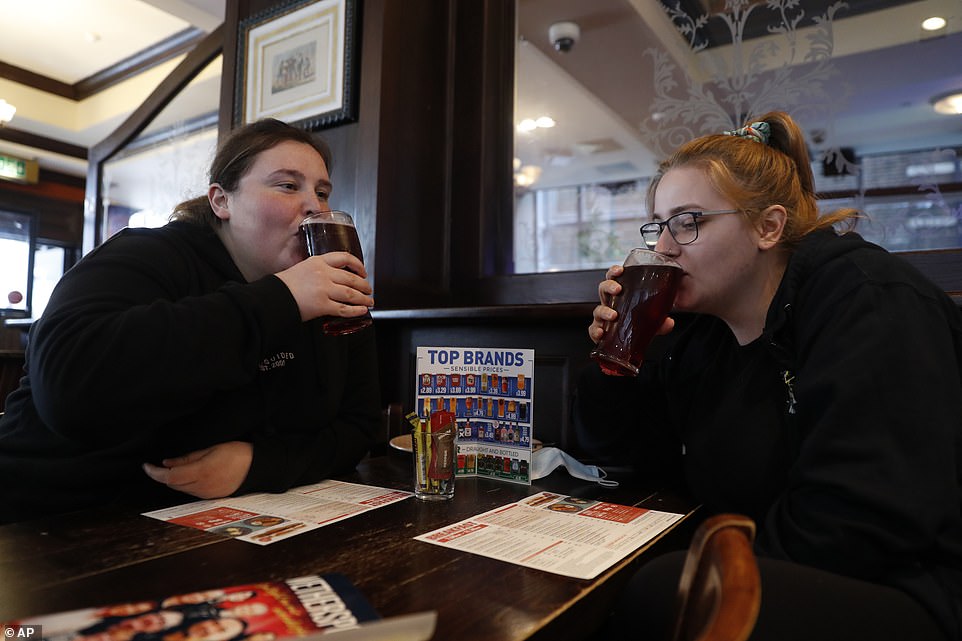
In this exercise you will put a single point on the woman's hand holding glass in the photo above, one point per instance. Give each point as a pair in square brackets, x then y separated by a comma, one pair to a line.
[331, 284]
[604, 314]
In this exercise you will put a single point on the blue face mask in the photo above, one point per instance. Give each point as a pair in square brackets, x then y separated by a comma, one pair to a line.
[545, 460]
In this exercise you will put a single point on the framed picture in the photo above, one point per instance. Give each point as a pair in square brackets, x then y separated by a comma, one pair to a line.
[296, 63]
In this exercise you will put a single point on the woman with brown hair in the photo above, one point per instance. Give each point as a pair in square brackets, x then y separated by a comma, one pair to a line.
[188, 360]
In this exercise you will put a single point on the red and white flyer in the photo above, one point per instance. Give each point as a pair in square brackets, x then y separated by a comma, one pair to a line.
[265, 518]
[566, 535]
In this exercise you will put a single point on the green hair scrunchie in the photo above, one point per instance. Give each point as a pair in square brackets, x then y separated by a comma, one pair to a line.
[757, 131]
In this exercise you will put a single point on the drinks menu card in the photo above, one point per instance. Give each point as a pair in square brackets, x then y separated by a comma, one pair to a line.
[566, 535]
[491, 393]
[265, 518]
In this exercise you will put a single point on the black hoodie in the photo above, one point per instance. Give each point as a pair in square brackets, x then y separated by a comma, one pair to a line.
[839, 430]
[154, 346]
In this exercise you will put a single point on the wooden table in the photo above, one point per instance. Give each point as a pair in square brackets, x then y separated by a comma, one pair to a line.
[99, 558]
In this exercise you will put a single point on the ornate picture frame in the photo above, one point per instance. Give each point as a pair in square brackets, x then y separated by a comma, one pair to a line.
[296, 63]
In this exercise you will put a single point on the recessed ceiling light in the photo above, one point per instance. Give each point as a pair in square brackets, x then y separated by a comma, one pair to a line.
[530, 124]
[91, 37]
[527, 176]
[934, 23]
[948, 103]
[527, 125]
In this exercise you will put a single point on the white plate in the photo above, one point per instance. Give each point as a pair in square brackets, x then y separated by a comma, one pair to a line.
[402, 442]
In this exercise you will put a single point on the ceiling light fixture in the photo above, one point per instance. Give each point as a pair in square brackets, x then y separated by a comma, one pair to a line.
[527, 125]
[530, 124]
[948, 103]
[6, 112]
[934, 23]
[527, 176]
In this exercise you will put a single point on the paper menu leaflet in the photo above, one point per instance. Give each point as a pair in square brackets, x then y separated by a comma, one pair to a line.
[265, 517]
[566, 535]
[491, 393]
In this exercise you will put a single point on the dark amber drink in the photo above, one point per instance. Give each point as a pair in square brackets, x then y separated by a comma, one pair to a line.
[330, 236]
[333, 231]
[647, 295]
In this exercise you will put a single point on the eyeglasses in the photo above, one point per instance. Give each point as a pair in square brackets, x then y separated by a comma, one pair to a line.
[682, 226]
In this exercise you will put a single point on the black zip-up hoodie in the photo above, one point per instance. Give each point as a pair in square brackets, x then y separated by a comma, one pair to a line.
[839, 430]
[154, 346]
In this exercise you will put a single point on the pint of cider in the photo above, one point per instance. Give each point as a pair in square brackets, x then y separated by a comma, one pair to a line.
[648, 287]
[331, 231]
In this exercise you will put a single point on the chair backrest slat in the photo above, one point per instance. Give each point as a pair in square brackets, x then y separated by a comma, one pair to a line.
[719, 592]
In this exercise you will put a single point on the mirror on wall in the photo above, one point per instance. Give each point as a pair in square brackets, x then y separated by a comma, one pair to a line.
[606, 89]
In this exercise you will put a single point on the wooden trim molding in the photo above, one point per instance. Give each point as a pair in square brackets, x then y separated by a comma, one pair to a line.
[510, 312]
[42, 142]
[37, 81]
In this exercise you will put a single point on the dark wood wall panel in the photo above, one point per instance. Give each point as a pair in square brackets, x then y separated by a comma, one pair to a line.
[552, 419]
[413, 216]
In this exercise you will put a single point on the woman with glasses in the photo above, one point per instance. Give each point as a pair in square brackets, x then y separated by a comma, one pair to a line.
[189, 360]
[812, 381]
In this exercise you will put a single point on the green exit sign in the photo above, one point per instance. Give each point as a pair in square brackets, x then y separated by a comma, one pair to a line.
[18, 169]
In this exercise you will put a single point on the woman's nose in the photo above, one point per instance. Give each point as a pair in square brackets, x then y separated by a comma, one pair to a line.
[315, 204]
[666, 243]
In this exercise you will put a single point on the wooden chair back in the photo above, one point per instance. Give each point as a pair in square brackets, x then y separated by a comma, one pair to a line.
[719, 592]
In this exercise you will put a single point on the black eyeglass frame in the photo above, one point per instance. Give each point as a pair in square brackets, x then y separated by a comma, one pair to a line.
[656, 228]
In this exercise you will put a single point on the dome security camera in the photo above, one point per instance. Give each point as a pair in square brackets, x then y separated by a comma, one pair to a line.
[564, 35]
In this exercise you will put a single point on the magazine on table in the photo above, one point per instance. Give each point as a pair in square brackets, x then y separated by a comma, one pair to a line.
[300, 607]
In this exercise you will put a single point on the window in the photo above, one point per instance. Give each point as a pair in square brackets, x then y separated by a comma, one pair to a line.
[143, 185]
[16, 243]
[50, 261]
[911, 200]
[580, 227]
[30, 267]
